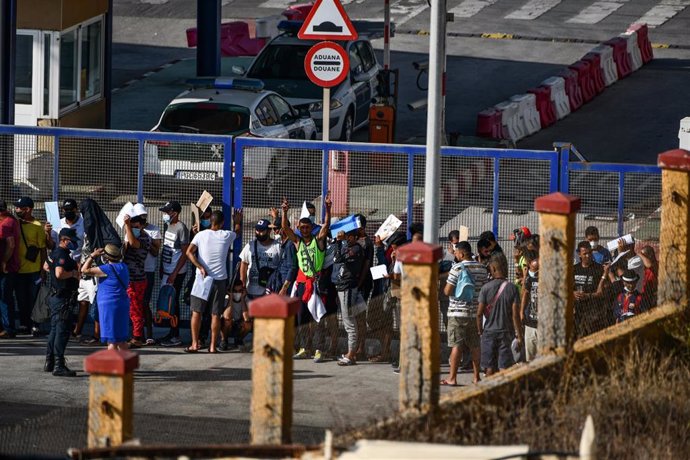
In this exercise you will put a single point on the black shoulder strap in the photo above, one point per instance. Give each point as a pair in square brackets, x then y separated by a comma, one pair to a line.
[21, 230]
[118, 277]
[256, 256]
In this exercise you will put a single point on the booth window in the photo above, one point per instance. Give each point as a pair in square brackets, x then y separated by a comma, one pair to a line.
[81, 63]
[23, 78]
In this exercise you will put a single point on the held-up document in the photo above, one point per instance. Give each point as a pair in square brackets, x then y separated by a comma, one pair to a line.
[202, 286]
[127, 210]
[378, 271]
[613, 244]
[204, 200]
[53, 214]
[389, 226]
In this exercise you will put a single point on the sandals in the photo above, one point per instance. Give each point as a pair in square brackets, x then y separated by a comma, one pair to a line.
[345, 361]
[379, 359]
[190, 350]
[448, 384]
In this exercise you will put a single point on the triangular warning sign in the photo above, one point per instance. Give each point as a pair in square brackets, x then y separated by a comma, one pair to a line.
[327, 20]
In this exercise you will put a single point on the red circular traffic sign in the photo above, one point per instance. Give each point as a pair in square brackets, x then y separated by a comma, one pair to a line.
[326, 64]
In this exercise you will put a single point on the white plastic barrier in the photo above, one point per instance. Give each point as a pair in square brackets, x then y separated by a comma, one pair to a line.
[684, 134]
[558, 96]
[607, 64]
[510, 120]
[527, 112]
[633, 50]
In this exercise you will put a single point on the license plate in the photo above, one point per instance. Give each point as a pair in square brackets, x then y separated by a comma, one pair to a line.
[196, 175]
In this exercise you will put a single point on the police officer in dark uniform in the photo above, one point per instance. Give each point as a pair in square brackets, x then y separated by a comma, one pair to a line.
[64, 279]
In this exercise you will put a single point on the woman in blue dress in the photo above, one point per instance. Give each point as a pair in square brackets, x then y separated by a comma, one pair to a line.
[111, 297]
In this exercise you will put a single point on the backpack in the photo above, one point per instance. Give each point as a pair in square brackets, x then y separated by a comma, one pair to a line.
[164, 308]
[464, 289]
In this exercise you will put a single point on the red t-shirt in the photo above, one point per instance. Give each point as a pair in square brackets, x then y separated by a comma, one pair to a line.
[9, 227]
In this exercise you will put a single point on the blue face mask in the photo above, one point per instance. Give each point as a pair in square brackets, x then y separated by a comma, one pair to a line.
[167, 218]
[72, 246]
[205, 223]
[137, 232]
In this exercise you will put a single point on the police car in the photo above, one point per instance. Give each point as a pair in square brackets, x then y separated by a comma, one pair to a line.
[218, 106]
[280, 65]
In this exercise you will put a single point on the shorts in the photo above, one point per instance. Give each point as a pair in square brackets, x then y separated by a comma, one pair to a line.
[496, 351]
[233, 312]
[462, 332]
[216, 299]
[87, 290]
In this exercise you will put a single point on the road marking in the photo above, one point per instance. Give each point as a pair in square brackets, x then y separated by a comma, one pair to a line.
[597, 12]
[155, 2]
[469, 8]
[408, 9]
[276, 4]
[662, 12]
[533, 9]
[347, 2]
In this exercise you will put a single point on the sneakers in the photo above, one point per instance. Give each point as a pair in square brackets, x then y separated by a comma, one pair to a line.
[36, 332]
[150, 341]
[88, 340]
[7, 335]
[301, 354]
[318, 357]
[172, 342]
[135, 343]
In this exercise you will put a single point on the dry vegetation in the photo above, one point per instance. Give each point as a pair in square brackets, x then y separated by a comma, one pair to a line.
[640, 406]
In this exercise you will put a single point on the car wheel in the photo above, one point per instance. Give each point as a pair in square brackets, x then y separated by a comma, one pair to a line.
[348, 127]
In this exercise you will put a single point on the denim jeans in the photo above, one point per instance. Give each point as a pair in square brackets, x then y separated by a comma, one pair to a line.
[60, 326]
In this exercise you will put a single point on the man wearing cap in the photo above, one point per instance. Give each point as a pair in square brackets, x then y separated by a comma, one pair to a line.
[32, 255]
[286, 273]
[462, 311]
[9, 264]
[258, 260]
[174, 261]
[65, 276]
[629, 302]
[311, 254]
[150, 265]
[208, 252]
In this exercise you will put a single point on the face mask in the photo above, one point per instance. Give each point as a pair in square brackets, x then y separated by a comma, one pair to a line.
[70, 215]
[205, 223]
[262, 237]
[277, 237]
[72, 246]
[103, 260]
[594, 244]
[137, 232]
[532, 274]
[236, 296]
[167, 218]
[19, 214]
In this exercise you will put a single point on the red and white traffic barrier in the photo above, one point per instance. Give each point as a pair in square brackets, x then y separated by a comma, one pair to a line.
[643, 42]
[585, 79]
[489, 123]
[527, 112]
[608, 65]
[510, 121]
[596, 71]
[572, 88]
[558, 96]
[545, 106]
[620, 56]
[633, 50]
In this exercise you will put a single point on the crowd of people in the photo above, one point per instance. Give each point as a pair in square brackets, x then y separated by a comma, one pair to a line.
[489, 311]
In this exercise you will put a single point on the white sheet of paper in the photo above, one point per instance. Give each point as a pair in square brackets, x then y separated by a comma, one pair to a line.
[613, 244]
[53, 214]
[464, 233]
[388, 227]
[202, 287]
[204, 200]
[305, 211]
[378, 271]
[127, 209]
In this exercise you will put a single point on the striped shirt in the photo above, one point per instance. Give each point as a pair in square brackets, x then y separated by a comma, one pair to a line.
[479, 274]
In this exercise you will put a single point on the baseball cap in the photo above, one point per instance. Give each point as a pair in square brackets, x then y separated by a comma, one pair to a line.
[70, 233]
[69, 203]
[24, 202]
[263, 224]
[173, 206]
[634, 263]
[630, 276]
[139, 210]
[520, 234]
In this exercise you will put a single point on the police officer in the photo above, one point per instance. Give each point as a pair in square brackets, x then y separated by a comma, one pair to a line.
[64, 278]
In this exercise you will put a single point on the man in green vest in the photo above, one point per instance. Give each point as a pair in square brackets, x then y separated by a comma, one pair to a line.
[311, 253]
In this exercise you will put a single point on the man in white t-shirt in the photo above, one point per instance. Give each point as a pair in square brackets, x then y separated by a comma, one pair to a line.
[208, 252]
[258, 260]
[174, 261]
[150, 266]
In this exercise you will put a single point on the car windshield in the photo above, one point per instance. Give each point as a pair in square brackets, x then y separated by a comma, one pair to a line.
[205, 118]
[281, 67]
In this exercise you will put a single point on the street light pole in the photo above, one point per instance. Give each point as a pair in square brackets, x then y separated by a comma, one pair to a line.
[434, 125]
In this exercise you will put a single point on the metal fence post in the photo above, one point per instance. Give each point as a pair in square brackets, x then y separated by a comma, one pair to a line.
[419, 336]
[237, 175]
[325, 161]
[621, 201]
[56, 167]
[496, 195]
[557, 213]
[674, 270]
[564, 162]
[228, 155]
[274, 336]
[111, 396]
[410, 193]
[140, 171]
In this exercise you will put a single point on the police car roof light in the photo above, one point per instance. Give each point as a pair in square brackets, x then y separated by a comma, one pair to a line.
[290, 26]
[248, 84]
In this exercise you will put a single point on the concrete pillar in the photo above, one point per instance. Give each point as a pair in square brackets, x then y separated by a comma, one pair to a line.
[274, 337]
[557, 213]
[111, 401]
[674, 270]
[419, 337]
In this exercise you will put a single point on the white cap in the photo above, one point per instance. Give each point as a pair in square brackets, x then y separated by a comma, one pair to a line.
[634, 263]
[138, 210]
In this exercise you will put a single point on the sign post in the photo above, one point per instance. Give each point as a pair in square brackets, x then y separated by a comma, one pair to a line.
[327, 63]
